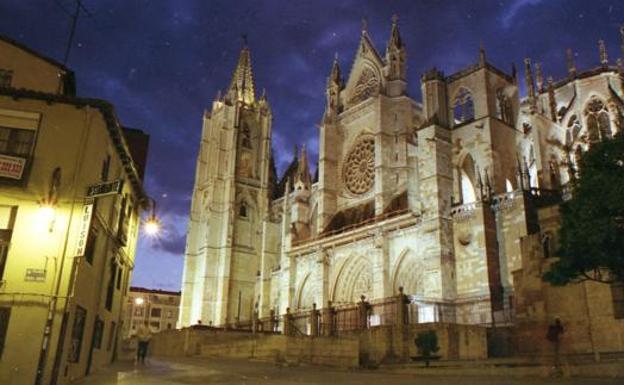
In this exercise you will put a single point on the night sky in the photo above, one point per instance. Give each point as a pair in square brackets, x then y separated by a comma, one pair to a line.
[161, 63]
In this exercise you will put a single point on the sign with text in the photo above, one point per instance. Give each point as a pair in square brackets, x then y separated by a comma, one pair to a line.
[35, 275]
[83, 232]
[106, 188]
[11, 167]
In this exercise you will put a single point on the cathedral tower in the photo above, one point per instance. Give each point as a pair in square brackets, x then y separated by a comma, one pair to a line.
[230, 202]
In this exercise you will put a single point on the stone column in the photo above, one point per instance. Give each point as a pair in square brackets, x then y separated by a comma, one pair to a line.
[314, 321]
[380, 258]
[329, 320]
[254, 320]
[273, 322]
[321, 276]
[402, 323]
[364, 309]
[286, 319]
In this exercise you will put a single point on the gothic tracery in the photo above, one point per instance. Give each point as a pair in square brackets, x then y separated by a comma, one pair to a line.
[366, 86]
[598, 124]
[359, 166]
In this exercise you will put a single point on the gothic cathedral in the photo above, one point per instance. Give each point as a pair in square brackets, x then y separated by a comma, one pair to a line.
[430, 196]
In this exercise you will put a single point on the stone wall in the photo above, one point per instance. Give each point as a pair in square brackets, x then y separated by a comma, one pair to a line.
[389, 343]
[342, 352]
[585, 310]
[370, 346]
[188, 342]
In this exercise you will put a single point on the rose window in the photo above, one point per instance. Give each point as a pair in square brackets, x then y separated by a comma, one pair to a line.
[359, 166]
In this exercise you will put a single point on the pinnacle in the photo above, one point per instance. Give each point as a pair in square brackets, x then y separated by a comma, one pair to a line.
[242, 86]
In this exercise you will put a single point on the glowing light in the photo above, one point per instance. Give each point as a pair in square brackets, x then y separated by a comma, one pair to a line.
[139, 301]
[152, 226]
[46, 216]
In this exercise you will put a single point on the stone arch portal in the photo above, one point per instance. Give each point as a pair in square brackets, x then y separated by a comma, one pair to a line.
[409, 274]
[306, 294]
[354, 280]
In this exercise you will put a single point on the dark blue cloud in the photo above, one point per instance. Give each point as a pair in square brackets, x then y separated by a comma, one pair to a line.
[162, 62]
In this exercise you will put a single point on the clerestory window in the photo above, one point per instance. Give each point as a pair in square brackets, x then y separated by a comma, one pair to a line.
[463, 107]
[598, 124]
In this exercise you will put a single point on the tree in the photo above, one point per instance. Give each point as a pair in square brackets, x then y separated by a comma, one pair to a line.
[591, 243]
[427, 343]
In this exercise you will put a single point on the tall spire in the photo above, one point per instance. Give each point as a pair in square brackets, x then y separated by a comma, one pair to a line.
[242, 87]
[602, 49]
[552, 103]
[530, 85]
[334, 76]
[481, 54]
[303, 169]
[396, 56]
[539, 77]
[570, 62]
[395, 37]
[364, 25]
[334, 85]
[622, 39]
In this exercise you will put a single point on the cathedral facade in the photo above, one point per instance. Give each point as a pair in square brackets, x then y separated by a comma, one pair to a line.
[430, 196]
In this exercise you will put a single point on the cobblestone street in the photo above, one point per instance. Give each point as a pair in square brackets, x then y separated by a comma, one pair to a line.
[242, 372]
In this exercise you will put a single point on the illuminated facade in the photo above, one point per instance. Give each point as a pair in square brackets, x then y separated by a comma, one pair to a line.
[66, 248]
[159, 308]
[433, 196]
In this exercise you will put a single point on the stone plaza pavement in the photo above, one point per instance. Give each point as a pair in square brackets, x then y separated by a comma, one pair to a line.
[182, 371]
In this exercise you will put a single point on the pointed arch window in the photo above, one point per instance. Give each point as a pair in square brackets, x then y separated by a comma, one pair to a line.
[503, 107]
[574, 129]
[245, 136]
[463, 107]
[243, 210]
[598, 123]
[467, 180]
[531, 161]
[508, 186]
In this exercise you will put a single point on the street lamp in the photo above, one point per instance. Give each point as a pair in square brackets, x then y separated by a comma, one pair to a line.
[152, 223]
[139, 301]
[46, 215]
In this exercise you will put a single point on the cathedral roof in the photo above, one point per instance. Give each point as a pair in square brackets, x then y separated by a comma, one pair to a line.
[364, 214]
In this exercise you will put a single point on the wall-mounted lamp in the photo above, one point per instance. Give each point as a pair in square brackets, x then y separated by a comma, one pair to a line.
[152, 223]
[48, 205]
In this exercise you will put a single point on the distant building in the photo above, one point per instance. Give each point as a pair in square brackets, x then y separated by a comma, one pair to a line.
[66, 255]
[158, 307]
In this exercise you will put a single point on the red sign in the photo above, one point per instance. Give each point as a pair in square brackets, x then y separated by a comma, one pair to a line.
[11, 167]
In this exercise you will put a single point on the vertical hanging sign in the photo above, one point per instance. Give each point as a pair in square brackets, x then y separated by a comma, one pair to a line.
[85, 224]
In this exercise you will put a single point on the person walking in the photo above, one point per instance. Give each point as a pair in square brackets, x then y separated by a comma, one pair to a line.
[144, 335]
[554, 337]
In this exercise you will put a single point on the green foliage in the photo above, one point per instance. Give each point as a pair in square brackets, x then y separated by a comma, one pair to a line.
[427, 343]
[592, 229]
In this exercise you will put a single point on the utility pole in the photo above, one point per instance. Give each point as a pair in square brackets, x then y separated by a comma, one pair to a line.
[79, 8]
